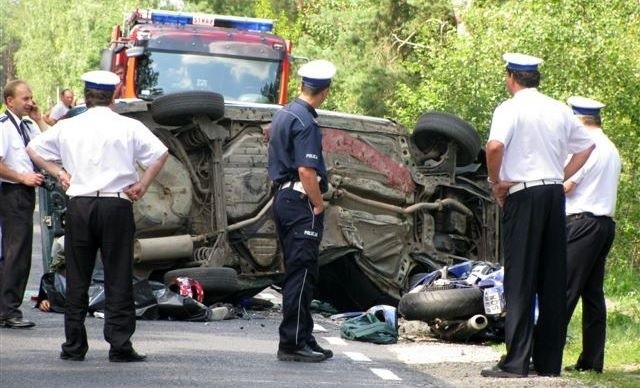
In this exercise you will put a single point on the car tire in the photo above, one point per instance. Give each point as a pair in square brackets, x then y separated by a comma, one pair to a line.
[430, 304]
[434, 127]
[179, 108]
[214, 280]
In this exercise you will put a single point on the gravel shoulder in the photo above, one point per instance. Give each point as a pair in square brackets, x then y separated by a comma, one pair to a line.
[459, 364]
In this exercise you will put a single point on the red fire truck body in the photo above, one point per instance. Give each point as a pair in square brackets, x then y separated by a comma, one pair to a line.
[166, 52]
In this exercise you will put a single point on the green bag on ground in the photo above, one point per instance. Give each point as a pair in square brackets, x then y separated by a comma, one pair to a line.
[368, 328]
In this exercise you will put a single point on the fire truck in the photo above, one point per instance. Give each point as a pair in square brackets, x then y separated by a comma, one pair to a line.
[164, 52]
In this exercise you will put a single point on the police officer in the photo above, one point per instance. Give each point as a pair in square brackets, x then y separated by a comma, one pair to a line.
[298, 172]
[530, 138]
[591, 203]
[18, 181]
[99, 150]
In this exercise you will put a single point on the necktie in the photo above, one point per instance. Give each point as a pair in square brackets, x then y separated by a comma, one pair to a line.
[24, 133]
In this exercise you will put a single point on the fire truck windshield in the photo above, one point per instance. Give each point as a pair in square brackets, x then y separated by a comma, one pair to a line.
[236, 78]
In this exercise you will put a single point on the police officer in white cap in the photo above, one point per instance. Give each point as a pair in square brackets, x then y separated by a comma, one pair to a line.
[99, 150]
[591, 204]
[530, 138]
[298, 172]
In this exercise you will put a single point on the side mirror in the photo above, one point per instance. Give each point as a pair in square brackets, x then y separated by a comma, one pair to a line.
[136, 51]
[106, 60]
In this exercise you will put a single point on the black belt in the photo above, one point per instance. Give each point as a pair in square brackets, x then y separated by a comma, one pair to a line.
[579, 216]
[16, 185]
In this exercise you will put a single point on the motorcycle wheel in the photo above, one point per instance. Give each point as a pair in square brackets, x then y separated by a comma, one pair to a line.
[430, 305]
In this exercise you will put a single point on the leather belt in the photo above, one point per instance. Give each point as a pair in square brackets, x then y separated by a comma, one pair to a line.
[105, 194]
[579, 216]
[540, 182]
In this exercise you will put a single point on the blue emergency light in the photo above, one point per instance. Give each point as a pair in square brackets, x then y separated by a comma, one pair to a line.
[187, 18]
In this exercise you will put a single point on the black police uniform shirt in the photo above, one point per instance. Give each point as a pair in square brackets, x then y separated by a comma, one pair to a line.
[296, 141]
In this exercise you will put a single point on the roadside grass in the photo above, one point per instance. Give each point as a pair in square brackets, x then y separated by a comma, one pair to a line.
[622, 349]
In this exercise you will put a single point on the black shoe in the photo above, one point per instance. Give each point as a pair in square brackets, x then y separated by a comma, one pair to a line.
[132, 356]
[534, 372]
[496, 372]
[317, 348]
[70, 357]
[579, 368]
[302, 355]
[17, 323]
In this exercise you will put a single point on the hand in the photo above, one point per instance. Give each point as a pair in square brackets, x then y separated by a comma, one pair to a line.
[136, 191]
[65, 179]
[500, 191]
[35, 112]
[44, 306]
[318, 209]
[568, 186]
[32, 179]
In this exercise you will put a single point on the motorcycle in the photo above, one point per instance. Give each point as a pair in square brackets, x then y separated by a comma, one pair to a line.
[463, 302]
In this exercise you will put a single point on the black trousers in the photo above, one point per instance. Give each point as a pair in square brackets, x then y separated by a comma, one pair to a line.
[106, 224]
[17, 203]
[535, 265]
[589, 240]
[300, 233]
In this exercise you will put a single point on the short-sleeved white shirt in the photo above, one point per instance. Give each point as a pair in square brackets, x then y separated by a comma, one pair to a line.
[58, 111]
[538, 133]
[12, 150]
[99, 148]
[597, 181]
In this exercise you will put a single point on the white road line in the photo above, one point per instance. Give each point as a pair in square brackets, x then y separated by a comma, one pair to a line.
[385, 374]
[319, 329]
[336, 341]
[355, 356]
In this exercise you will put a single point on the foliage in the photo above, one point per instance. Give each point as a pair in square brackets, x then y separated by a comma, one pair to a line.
[357, 35]
[55, 51]
[622, 349]
[590, 48]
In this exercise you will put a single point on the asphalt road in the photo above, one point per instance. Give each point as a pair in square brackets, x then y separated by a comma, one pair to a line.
[186, 354]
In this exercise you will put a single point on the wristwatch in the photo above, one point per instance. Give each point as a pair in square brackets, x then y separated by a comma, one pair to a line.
[490, 181]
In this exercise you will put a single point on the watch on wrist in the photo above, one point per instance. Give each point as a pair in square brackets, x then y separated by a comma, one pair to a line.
[490, 181]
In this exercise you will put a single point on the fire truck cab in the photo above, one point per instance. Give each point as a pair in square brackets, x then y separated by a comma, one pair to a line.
[165, 52]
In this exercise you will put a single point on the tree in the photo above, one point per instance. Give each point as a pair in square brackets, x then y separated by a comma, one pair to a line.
[589, 48]
[54, 52]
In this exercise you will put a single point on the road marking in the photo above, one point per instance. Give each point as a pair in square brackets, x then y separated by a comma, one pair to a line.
[385, 374]
[336, 341]
[355, 356]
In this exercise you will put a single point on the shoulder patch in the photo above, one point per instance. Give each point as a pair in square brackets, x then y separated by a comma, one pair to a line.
[3, 118]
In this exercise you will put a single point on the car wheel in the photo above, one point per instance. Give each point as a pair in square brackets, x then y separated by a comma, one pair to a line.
[433, 128]
[179, 108]
[214, 280]
[430, 304]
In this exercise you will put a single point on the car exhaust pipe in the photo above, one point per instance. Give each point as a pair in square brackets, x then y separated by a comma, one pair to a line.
[478, 322]
[159, 249]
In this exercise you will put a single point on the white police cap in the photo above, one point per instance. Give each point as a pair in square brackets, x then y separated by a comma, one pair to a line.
[100, 80]
[585, 106]
[317, 73]
[521, 62]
